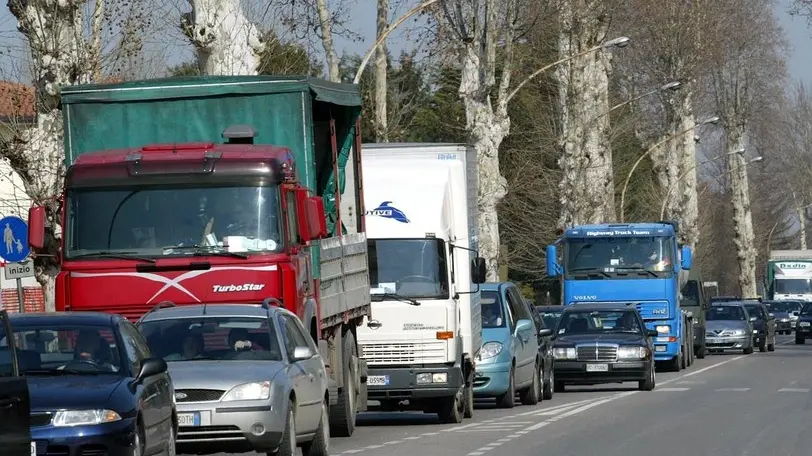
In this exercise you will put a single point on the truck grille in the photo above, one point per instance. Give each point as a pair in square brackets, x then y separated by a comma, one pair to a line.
[597, 352]
[403, 353]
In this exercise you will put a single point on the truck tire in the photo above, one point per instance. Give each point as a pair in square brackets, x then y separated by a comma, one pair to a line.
[453, 408]
[674, 363]
[683, 363]
[342, 415]
[468, 393]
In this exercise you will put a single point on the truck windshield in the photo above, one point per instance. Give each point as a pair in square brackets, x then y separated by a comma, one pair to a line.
[793, 286]
[413, 268]
[158, 221]
[616, 255]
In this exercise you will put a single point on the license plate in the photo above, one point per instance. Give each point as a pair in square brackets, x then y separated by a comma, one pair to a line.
[188, 419]
[33, 448]
[597, 368]
[378, 380]
[714, 340]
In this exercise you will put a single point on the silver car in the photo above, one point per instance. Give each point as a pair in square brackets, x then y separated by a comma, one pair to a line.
[728, 327]
[247, 378]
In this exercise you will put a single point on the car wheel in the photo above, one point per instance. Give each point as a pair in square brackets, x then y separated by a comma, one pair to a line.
[748, 350]
[530, 395]
[547, 392]
[170, 444]
[320, 445]
[799, 340]
[648, 383]
[508, 400]
[762, 344]
[287, 446]
[138, 440]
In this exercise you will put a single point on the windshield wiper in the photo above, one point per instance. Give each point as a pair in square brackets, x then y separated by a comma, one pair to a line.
[647, 271]
[591, 271]
[201, 250]
[121, 255]
[395, 296]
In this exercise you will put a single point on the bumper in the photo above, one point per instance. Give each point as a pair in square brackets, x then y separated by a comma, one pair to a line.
[665, 351]
[249, 425]
[575, 372]
[803, 331]
[401, 383]
[492, 379]
[783, 326]
[728, 343]
[113, 439]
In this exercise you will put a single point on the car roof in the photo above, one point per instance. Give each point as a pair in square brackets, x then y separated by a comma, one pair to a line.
[613, 306]
[212, 310]
[556, 308]
[63, 318]
[728, 303]
[494, 286]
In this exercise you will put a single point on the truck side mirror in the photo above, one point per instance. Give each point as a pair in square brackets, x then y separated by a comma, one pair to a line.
[36, 227]
[686, 257]
[316, 221]
[479, 270]
[552, 264]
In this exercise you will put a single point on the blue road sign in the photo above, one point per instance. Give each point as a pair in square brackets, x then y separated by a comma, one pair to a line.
[14, 248]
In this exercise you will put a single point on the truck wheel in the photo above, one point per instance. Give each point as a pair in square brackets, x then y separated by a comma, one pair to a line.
[683, 362]
[530, 395]
[508, 400]
[468, 393]
[453, 408]
[674, 364]
[342, 415]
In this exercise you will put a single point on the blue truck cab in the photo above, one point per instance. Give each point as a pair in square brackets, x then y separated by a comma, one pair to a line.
[635, 262]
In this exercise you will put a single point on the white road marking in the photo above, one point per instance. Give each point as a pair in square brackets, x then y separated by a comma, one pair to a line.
[670, 390]
[733, 389]
[705, 369]
[793, 390]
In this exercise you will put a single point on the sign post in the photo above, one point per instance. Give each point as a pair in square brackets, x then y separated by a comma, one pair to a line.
[15, 251]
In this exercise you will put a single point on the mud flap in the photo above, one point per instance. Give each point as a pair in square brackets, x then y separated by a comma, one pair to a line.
[362, 390]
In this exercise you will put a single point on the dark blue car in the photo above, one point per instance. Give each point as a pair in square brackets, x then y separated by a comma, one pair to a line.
[94, 387]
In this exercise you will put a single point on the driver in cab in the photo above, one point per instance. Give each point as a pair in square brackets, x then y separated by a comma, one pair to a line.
[89, 349]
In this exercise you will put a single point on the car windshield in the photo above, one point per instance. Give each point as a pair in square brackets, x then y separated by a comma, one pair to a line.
[411, 268]
[779, 306]
[212, 338]
[793, 286]
[492, 315]
[612, 254]
[598, 321]
[725, 313]
[754, 311]
[52, 349]
[171, 220]
[807, 309]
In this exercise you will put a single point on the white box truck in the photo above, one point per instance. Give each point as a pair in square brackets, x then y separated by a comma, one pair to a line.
[425, 329]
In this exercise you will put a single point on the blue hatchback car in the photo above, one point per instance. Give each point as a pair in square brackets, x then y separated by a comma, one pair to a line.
[94, 388]
[509, 361]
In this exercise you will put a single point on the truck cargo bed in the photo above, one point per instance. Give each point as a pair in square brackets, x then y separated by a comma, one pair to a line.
[344, 286]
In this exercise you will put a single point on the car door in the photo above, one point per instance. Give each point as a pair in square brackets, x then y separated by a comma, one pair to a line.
[527, 344]
[304, 374]
[166, 390]
[15, 406]
[148, 393]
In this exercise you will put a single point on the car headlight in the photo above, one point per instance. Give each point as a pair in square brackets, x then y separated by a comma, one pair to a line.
[737, 332]
[803, 324]
[65, 418]
[256, 391]
[490, 349]
[564, 353]
[632, 352]
[663, 329]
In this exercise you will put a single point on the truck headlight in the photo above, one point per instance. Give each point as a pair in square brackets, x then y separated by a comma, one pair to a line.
[66, 418]
[564, 353]
[663, 329]
[424, 378]
[256, 391]
[490, 349]
[632, 352]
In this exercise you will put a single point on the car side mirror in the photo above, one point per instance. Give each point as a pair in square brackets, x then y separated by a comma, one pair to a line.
[479, 270]
[652, 332]
[302, 353]
[545, 332]
[753, 318]
[149, 368]
[772, 315]
[523, 325]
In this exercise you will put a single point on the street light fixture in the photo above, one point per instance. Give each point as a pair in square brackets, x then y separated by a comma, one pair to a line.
[671, 86]
[712, 121]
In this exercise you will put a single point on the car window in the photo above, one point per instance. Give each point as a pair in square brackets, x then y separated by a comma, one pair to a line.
[517, 305]
[599, 321]
[135, 353]
[755, 311]
[492, 315]
[213, 338]
[291, 335]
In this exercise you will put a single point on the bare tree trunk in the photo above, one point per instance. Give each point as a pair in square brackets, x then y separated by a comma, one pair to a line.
[744, 237]
[587, 185]
[689, 206]
[227, 42]
[381, 116]
[327, 41]
[802, 227]
[59, 57]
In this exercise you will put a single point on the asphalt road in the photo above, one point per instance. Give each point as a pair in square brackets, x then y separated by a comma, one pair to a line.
[724, 405]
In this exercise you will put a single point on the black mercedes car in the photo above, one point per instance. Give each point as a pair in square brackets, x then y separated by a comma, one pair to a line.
[803, 330]
[603, 343]
[94, 387]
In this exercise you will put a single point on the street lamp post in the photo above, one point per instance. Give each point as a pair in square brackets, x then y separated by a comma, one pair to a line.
[671, 86]
[740, 151]
[619, 42]
[713, 120]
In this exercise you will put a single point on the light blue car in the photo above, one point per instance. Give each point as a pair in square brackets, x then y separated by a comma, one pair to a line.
[509, 361]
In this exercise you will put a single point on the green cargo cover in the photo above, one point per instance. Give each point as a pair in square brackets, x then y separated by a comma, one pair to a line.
[288, 111]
